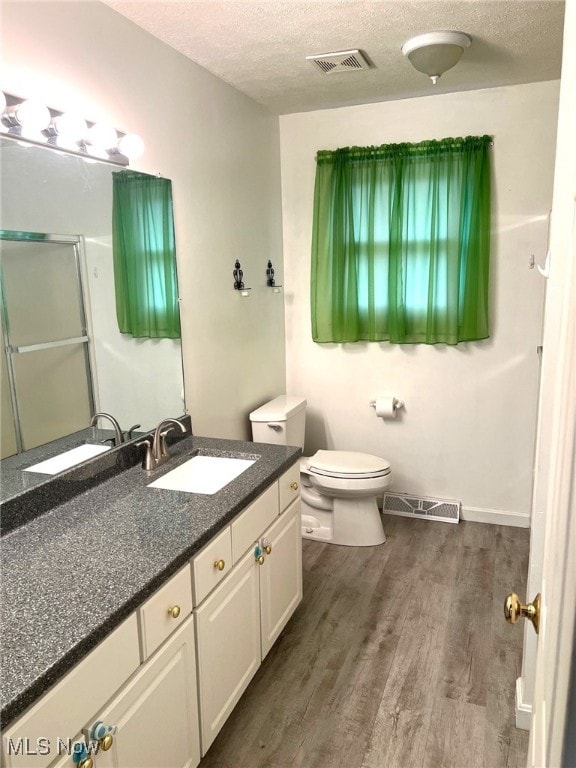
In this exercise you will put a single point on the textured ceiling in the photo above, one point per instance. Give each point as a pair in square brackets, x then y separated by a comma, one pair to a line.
[260, 46]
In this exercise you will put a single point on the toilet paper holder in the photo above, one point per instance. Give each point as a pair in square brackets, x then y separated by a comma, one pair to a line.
[397, 404]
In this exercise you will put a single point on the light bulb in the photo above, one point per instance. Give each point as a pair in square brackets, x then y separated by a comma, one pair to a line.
[131, 146]
[33, 116]
[70, 128]
[102, 136]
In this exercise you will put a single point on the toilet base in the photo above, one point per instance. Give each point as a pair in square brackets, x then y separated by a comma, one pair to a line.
[352, 523]
[313, 529]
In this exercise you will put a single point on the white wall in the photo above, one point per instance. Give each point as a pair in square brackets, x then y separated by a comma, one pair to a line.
[468, 428]
[221, 151]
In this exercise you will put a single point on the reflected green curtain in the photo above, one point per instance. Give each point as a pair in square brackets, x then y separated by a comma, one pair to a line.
[401, 242]
[145, 277]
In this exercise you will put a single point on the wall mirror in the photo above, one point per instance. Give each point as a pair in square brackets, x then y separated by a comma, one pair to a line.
[57, 286]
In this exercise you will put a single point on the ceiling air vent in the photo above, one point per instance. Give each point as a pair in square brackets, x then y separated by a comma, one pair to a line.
[341, 61]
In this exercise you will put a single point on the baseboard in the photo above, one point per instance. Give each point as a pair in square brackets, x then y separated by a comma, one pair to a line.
[495, 517]
[523, 710]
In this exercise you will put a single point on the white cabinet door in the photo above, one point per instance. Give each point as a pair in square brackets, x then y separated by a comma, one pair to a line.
[156, 714]
[228, 643]
[281, 575]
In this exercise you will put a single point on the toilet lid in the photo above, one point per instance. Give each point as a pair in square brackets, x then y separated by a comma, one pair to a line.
[348, 464]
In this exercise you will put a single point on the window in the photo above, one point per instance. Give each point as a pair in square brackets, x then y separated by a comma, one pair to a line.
[401, 240]
[144, 256]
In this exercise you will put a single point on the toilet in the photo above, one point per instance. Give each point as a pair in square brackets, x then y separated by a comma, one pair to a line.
[339, 488]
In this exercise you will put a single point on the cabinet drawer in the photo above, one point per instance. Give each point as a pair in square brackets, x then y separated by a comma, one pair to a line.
[250, 525]
[289, 486]
[65, 709]
[165, 611]
[211, 565]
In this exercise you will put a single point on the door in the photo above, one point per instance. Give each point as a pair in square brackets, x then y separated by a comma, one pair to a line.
[556, 446]
[154, 719]
[280, 574]
[228, 642]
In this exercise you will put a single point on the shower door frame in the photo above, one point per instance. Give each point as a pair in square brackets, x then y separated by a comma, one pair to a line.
[77, 243]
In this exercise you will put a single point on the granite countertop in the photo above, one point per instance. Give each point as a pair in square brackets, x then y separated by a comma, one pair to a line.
[73, 574]
[16, 481]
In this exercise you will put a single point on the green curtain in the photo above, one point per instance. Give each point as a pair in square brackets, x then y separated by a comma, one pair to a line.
[144, 256]
[401, 242]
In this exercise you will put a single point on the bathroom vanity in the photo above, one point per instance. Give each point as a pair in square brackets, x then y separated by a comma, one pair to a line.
[134, 617]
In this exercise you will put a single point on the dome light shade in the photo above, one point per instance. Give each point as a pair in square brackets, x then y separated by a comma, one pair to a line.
[70, 125]
[102, 136]
[131, 146]
[435, 52]
[32, 116]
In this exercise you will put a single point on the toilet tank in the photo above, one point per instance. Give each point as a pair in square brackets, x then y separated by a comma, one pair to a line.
[281, 421]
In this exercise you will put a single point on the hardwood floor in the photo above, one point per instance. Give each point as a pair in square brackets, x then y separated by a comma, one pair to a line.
[397, 657]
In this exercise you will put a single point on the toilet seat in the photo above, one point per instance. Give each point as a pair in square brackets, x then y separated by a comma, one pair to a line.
[348, 465]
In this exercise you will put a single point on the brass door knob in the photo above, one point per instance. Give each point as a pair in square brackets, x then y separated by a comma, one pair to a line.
[86, 763]
[220, 564]
[174, 611]
[260, 560]
[106, 742]
[294, 486]
[513, 609]
[268, 549]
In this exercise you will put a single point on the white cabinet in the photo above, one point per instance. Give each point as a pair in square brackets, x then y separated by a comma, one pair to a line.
[280, 575]
[239, 622]
[228, 645]
[154, 719]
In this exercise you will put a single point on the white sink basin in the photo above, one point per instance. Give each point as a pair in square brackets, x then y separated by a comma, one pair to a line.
[202, 474]
[67, 459]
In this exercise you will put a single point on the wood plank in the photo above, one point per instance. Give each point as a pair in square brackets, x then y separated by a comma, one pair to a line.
[456, 736]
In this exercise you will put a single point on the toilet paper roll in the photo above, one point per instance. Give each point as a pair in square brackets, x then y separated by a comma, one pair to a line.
[386, 407]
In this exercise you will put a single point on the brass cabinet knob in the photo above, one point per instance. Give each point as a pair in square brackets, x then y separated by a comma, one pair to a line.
[513, 609]
[174, 611]
[86, 763]
[268, 549]
[294, 486]
[220, 564]
[106, 742]
[260, 560]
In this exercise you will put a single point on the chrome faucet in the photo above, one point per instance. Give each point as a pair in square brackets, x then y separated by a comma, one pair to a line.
[119, 435]
[157, 452]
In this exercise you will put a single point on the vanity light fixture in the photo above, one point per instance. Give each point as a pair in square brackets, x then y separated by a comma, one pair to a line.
[31, 121]
[238, 279]
[270, 279]
[433, 53]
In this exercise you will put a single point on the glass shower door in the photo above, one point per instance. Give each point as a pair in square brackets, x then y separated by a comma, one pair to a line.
[46, 366]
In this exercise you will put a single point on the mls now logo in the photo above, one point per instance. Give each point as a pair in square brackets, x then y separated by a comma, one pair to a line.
[43, 746]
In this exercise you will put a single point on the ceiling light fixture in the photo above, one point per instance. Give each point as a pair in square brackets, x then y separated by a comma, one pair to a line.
[28, 120]
[435, 52]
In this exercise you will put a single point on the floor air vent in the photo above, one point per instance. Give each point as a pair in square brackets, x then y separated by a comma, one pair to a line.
[341, 61]
[446, 510]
